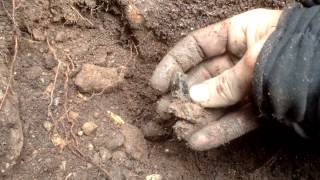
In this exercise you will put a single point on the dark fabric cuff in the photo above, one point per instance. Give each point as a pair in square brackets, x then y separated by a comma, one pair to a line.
[286, 83]
[310, 3]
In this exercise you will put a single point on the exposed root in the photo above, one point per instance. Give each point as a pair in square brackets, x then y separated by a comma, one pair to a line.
[14, 58]
[77, 152]
[64, 120]
[50, 115]
[79, 14]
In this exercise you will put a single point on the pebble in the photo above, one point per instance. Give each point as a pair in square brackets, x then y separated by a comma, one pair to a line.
[80, 133]
[90, 147]
[38, 35]
[154, 177]
[74, 115]
[95, 78]
[89, 128]
[135, 144]
[47, 125]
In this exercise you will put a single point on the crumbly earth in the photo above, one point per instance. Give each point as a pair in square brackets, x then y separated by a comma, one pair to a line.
[131, 35]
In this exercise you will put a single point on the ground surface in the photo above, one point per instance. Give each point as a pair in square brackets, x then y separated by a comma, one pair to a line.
[127, 39]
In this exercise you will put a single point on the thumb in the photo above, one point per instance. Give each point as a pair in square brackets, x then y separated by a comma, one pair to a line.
[229, 87]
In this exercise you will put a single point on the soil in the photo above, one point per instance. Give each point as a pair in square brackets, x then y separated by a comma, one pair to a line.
[57, 37]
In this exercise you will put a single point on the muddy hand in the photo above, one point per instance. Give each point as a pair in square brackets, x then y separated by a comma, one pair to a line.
[219, 60]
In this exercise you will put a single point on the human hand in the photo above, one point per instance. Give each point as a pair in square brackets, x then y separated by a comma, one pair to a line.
[219, 61]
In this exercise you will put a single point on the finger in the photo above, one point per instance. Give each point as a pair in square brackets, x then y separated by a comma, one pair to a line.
[208, 69]
[229, 87]
[190, 51]
[194, 113]
[228, 128]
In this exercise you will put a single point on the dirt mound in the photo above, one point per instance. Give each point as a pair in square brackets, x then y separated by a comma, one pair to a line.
[57, 39]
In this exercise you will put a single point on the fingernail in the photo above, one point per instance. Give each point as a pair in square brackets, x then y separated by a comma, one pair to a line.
[199, 93]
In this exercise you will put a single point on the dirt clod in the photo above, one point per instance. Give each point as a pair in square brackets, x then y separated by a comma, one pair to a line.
[154, 132]
[94, 78]
[89, 128]
[114, 140]
[135, 144]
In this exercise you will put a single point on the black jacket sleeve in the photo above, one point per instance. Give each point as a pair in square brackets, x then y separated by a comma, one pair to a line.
[309, 3]
[286, 83]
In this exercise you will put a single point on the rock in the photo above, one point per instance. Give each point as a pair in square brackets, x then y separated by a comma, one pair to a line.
[47, 125]
[38, 35]
[11, 135]
[90, 147]
[119, 156]
[73, 115]
[154, 132]
[114, 141]
[105, 154]
[89, 128]
[154, 177]
[95, 78]
[80, 133]
[135, 144]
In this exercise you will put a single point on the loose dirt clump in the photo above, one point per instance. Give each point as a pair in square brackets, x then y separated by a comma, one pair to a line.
[58, 39]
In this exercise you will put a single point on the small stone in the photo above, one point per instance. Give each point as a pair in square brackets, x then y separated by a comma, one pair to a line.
[95, 78]
[73, 115]
[96, 114]
[105, 154]
[90, 147]
[38, 35]
[154, 177]
[89, 128]
[135, 144]
[80, 133]
[47, 125]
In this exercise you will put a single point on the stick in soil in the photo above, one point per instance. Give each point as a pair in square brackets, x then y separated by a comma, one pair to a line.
[14, 58]
[53, 51]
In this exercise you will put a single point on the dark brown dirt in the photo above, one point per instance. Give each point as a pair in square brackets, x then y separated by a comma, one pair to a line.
[100, 32]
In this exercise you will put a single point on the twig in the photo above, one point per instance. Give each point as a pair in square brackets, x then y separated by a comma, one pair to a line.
[14, 58]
